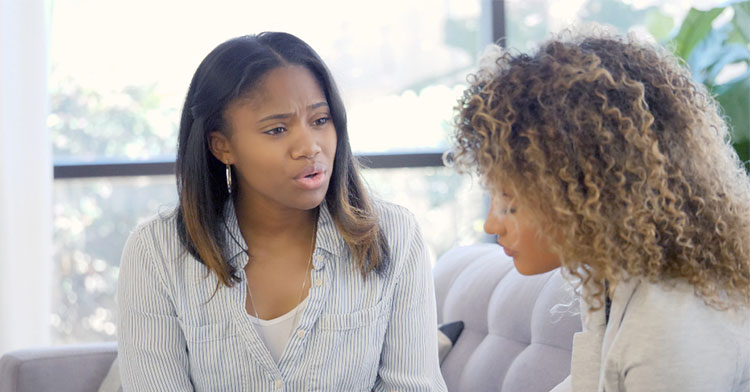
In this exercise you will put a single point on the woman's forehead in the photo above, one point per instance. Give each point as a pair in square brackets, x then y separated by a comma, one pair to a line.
[283, 91]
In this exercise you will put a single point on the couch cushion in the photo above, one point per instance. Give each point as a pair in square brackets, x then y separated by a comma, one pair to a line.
[518, 330]
[112, 382]
[73, 368]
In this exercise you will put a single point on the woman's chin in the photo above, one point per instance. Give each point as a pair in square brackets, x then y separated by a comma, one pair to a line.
[309, 203]
[529, 270]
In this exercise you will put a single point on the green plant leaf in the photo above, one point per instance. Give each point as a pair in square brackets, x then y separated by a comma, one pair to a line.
[659, 24]
[736, 37]
[729, 54]
[694, 28]
[743, 151]
[734, 98]
[741, 20]
[707, 52]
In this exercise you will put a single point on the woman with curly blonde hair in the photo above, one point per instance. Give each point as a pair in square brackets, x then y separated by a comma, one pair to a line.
[605, 158]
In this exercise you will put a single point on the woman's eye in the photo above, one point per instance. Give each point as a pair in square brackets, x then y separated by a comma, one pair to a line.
[275, 131]
[321, 121]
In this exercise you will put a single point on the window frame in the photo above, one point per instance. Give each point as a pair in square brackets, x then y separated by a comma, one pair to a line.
[110, 168]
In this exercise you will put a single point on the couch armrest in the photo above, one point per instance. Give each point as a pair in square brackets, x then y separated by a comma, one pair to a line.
[71, 368]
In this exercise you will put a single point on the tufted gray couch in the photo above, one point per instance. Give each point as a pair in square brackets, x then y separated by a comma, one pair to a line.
[71, 368]
[512, 339]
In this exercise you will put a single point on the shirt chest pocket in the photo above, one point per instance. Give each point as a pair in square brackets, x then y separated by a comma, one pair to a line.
[215, 355]
[209, 332]
[354, 320]
[351, 343]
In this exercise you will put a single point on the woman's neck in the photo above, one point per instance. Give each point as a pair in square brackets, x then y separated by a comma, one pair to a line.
[266, 225]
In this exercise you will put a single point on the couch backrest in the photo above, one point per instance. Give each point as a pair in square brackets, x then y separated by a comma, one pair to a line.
[71, 368]
[513, 340]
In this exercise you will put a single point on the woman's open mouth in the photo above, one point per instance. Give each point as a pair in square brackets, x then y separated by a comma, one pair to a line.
[311, 181]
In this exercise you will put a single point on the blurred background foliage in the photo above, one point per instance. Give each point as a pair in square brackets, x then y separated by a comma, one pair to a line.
[715, 43]
[130, 123]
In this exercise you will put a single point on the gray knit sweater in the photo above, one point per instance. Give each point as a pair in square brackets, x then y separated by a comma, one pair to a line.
[660, 338]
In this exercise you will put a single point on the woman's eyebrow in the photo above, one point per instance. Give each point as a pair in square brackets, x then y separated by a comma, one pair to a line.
[282, 116]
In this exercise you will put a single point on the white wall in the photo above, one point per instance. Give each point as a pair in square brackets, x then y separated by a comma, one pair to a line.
[25, 176]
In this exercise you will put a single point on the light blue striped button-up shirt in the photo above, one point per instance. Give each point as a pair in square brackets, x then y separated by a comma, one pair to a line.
[355, 334]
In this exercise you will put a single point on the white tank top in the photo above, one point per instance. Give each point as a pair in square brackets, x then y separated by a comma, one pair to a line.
[275, 333]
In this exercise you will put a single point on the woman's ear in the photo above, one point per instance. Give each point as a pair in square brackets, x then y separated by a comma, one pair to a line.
[220, 147]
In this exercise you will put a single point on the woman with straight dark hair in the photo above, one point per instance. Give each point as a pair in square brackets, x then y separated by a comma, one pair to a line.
[276, 271]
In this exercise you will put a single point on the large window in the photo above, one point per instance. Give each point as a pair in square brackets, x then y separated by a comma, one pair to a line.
[120, 69]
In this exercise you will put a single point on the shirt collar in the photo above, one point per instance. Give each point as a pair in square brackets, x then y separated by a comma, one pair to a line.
[328, 238]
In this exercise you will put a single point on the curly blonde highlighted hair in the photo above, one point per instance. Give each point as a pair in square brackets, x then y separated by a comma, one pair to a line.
[624, 156]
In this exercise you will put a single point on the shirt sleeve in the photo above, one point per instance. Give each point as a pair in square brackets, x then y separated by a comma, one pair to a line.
[152, 351]
[409, 360]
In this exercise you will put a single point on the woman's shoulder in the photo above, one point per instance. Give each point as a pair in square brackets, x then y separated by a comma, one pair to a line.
[158, 231]
[671, 314]
[407, 248]
[668, 333]
[392, 216]
[150, 250]
[162, 221]
[676, 300]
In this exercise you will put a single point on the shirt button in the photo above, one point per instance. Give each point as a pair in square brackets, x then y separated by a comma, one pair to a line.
[318, 282]
[279, 384]
[319, 258]
[301, 333]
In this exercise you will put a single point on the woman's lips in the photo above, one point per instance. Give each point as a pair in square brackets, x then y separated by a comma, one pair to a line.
[312, 180]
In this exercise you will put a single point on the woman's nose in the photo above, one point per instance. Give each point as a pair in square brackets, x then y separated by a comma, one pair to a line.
[306, 143]
[495, 222]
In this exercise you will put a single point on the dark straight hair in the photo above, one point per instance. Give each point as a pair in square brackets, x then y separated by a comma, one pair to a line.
[231, 71]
